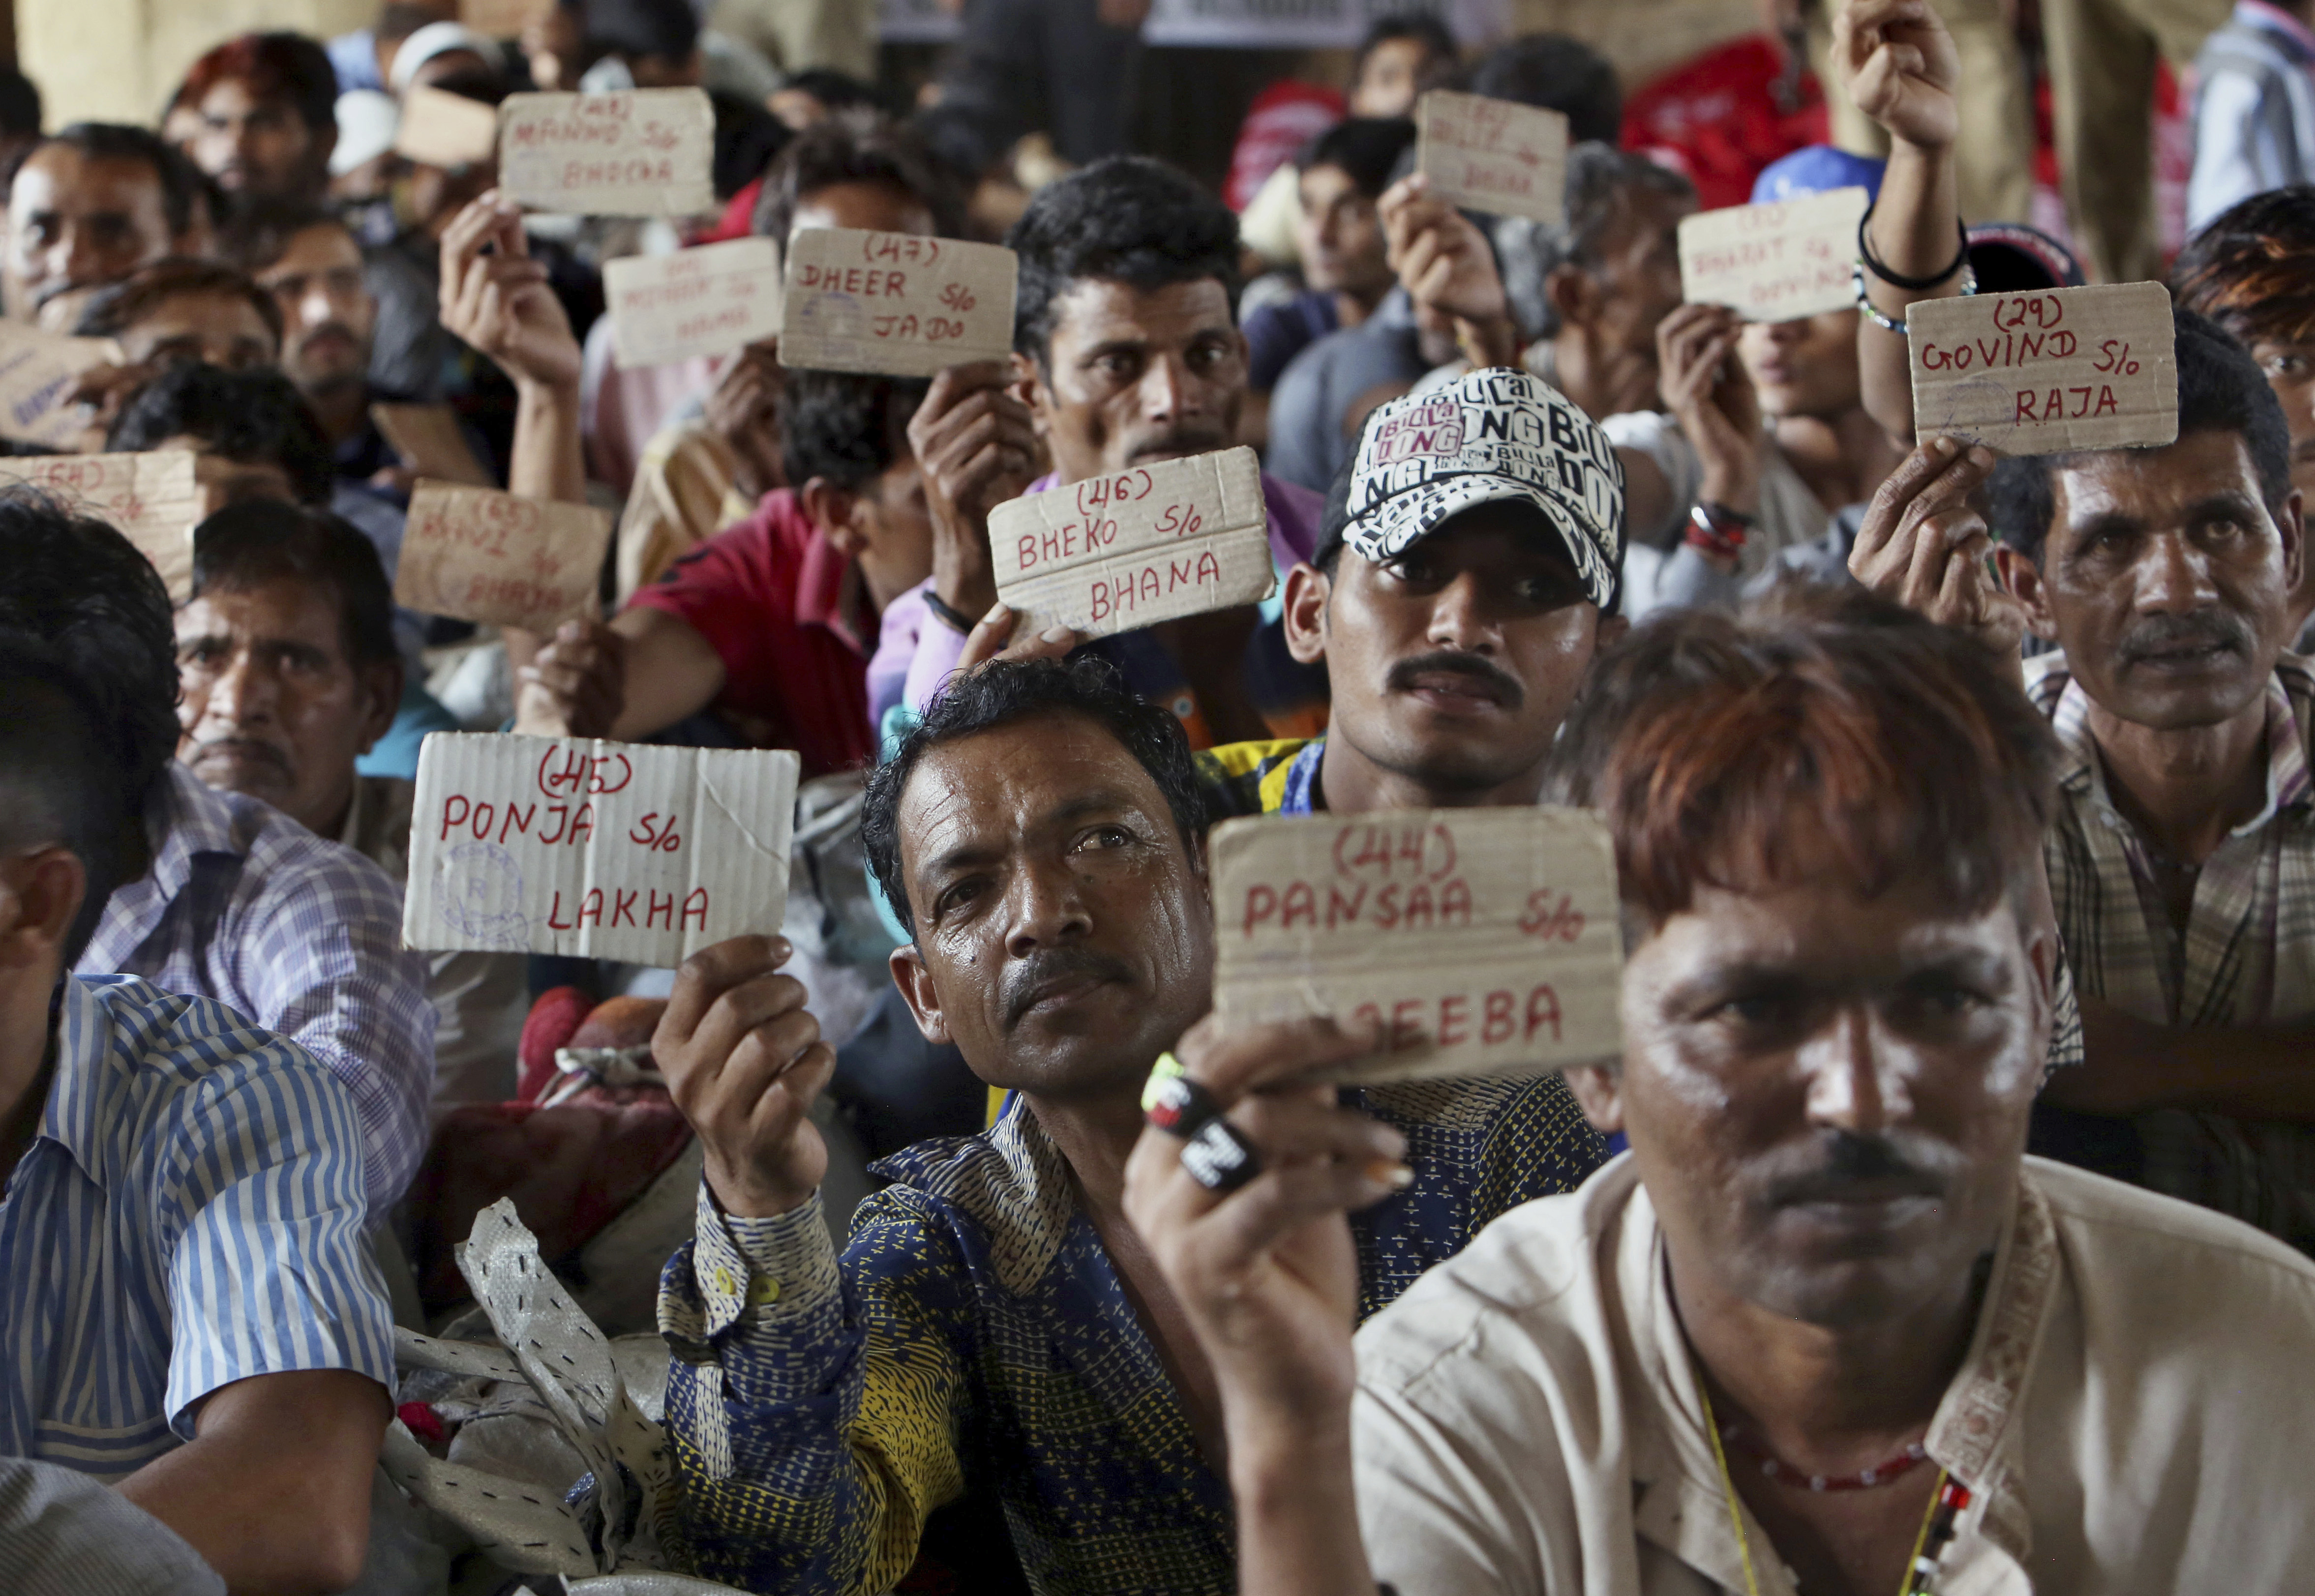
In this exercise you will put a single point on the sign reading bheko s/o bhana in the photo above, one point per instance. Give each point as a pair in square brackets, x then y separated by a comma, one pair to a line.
[498, 558]
[1492, 156]
[1135, 548]
[708, 300]
[2049, 371]
[639, 152]
[608, 850]
[894, 304]
[152, 498]
[1774, 262]
[40, 372]
[1486, 941]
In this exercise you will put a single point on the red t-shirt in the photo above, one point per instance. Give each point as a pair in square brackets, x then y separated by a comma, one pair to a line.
[771, 597]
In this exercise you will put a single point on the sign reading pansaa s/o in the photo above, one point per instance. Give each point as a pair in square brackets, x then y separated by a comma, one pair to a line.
[153, 498]
[707, 300]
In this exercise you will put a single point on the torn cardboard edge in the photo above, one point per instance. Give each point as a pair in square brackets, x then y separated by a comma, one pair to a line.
[2047, 370]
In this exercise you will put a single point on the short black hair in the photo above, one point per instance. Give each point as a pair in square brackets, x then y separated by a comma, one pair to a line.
[260, 233]
[667, 29]
[277, 65]
[2252, 268]
[112, 310]
[1559, 74]
[2221, 389]
[83, 619]
[256, 417]
[20, 104]
[1600, 181]
[1419, 26]
[844, 426]
[1365, 149]
[838, 90]
[859, 146]
[1126, 219]
[1004, 693]
[264, 540]
[180, 181]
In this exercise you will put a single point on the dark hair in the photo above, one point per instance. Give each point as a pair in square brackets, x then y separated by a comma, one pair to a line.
[1004, 693]
[264, 540]
[254, 417]
[261, 234]
[277, 66]
[20, 104]
[1365, 149]
[747, 140]
[2219, 390]
[1126, 219]
[668, 29]
[180, 180]
[1703, 735]
[111, 311]
[1419, 26]
[1601, 181]
[844, 426]
[838, 90]
[1559, 74]
[855, 146]
[2252, 269]
[478, 84]
[84, 616]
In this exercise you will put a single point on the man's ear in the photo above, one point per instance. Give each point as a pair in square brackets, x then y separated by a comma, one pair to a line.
[1598, 1089]
[1612, 630]
[918, 991]
[1028, 386]
[40, 894]
[2291, 521]
[836, 511]
[1305, 611]
[2023, 578]
[381, 686]
[1571, 295]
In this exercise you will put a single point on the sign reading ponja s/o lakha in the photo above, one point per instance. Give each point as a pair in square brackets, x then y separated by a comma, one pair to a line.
[639, 152]
[1484, 941]
[894, 304]
[2047, 371]
[607, 850]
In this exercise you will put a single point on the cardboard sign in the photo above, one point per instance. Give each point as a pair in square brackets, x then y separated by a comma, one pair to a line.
[709, 300]
[1492, 156]
[498, 558]
[444, 129]
[153, 498]
[894, 304]
[607, 850]
[1486, 940]
[2049, 371]
[430, 442]
[1113, 553]
[1774, 262]
[641, 152]
[39, 374]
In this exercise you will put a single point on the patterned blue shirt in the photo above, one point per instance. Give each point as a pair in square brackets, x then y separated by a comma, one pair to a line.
[297, 934]
[190, 1213]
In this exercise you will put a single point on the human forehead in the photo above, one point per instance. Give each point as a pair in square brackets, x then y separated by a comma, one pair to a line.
[1324, 184]
[324, 246]
[1099, 311]
[59, 178]
[867, 205]
[1822, 930]
[280, 608]
[993, 788]
[2152, 485]
[208, 311]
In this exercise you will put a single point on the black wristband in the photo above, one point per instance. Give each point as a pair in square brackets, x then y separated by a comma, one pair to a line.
[1912, 285]
[947, 612]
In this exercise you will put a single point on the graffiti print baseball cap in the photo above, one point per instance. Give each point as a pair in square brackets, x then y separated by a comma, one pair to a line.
[1490, 437]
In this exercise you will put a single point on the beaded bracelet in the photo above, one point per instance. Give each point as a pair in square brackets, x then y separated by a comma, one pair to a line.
[1889, 324]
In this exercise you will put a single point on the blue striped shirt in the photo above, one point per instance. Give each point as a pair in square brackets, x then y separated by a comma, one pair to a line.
[190, 1213]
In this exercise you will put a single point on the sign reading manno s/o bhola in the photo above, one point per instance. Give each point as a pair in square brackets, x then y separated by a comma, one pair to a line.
[1485, 941]
[1131, 548]
[2049, 371]
[609, 850]
[1775, 263]
[894, 304]
[1492, 156]
[640, 151]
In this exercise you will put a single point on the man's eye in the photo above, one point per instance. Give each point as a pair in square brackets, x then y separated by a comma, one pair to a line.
[956, 898]
[1106, 836]
[1118, 365]
[2284, 367]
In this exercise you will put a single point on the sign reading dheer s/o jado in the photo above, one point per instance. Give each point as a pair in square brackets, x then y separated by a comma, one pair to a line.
[639, 152]
[1485, 941]
[2049, 371]
[609, 850]
[501, 559]
[1135, 548]
[1492, 156]
[894, 304]
[1774, 262]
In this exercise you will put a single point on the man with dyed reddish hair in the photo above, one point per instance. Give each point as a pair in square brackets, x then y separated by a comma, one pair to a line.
[1824, 1326]
[265, 110]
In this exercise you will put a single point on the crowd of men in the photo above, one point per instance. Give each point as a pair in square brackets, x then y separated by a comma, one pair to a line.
[1943, 1224]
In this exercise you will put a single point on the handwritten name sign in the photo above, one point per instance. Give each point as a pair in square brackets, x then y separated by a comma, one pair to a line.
[609, 850]
[894, 304]
[1485, 940]
[152, 498]
[39, 374]
[641, 152]
[1113, 553]
[506, 561]
[2049, 371]
[1492, 156]
[1774, 262]
[705, 301]
[439, 129]
[430, 442]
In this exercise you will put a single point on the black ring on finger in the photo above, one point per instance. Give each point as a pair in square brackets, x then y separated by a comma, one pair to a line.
[1219, 1157]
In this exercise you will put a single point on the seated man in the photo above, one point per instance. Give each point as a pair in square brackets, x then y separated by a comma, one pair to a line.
[289, 674]
[192, 1312]
[1824, 1328]
[240, 903]
[89, 205]
[994, 1326]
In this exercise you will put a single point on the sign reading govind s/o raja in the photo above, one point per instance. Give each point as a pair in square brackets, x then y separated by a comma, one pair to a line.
[639, 152]
[2048, 371]
[607, 850]
[1492, 156]
[1485, 941]
[1131, 548]
[894, 304]
[1774, 262]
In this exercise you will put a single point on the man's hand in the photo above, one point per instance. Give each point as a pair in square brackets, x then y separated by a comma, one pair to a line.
[743, 1061]
[1900, 68]
[1922, 545]
[574, 687]
[977, 446]
[1442, 258]
[499, 303]
[743, 410]
[1707, 389]
[992, 639]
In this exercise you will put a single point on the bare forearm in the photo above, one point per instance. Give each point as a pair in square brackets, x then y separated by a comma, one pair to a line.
[1913, 233]
[2132, 1066]
[1298, 1524]
[547, 461]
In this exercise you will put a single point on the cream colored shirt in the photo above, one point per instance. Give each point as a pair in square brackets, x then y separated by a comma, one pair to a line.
[2134, 1414]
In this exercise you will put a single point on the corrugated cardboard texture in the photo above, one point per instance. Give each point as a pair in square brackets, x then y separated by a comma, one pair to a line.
[705, 301]
[500, 559]
[152, 498]
[1492, 156]
[439, 129]
[38, 373]
[1774, 262]
[2047, 371]
[641, 152]
[894, 304]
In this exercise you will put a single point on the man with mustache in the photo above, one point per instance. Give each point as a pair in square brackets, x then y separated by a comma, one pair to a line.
[89, 205]
[994, 1337]
[1824, 1329]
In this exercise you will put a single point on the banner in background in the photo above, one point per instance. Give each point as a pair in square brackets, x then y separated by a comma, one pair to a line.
[1241, 24]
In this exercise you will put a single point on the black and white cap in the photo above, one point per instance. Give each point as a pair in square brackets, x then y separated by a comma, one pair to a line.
[1491, 436]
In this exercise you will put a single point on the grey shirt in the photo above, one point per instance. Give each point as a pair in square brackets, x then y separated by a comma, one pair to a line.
[62, 1533]
[1311, 410]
